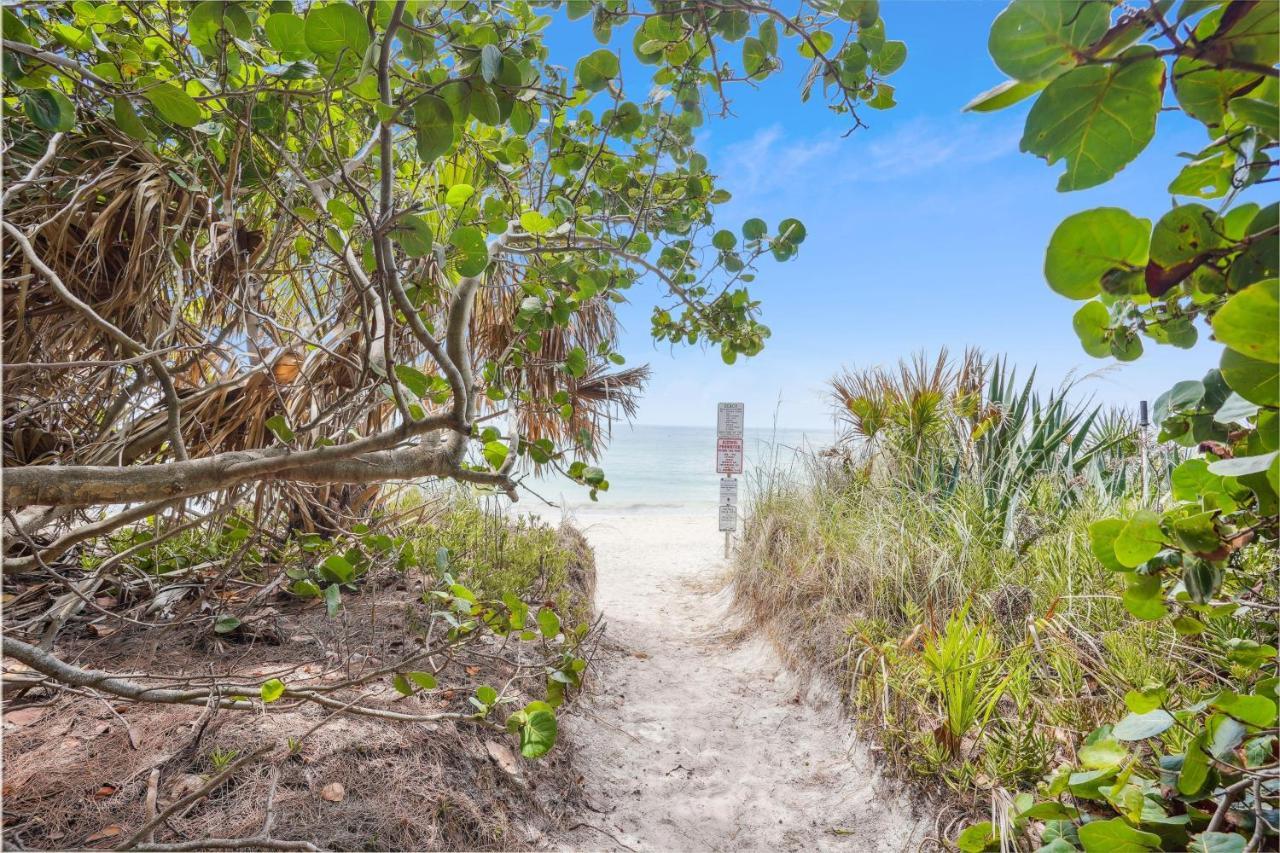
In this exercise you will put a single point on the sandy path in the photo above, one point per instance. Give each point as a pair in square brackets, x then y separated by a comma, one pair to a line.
[691, 742]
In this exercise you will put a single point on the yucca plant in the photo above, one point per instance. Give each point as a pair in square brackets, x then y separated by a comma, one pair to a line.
[937, 426]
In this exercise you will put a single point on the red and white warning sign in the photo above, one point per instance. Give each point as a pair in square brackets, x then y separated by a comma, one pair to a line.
[728, 456]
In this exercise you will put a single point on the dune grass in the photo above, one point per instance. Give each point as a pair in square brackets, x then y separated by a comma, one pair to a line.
[971, 632]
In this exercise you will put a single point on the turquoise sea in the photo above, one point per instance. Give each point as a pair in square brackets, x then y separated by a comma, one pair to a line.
[673, 468]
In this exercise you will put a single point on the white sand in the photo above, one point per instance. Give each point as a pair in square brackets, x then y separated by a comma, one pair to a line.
[691, 742]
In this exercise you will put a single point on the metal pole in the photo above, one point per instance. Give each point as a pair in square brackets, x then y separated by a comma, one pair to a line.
[1143, 422]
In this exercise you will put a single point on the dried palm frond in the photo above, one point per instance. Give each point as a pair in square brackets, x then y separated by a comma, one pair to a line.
[597, 397]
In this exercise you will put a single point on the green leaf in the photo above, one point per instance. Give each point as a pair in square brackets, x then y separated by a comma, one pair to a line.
[978, 838]
[1004, 95]
[425, 680]
[1102, 754]
[1087, 245]
[1204, 91]
[341, 213]
[1255, 710]
[414, 236]
[755, 59]
[272, 690]
[1195, 767]
[495, 453]
[754, 229]
[1116, 836]
[126, 118]
[286, 33]
[490, 61]
[280, 428]
[332, 599]
[1039, 39]
[575, 362]
[414, 379]
[305, 589]
[1262, 114]
[1144, 701]
[1140, 726]
[1217, 842]
[13, 28]
[595, 70]
[1143, 597]
[535, 223]
[1184, 234]
[724, 240]
[225, 624]
[401, 684]
[336, 27]
[1140, 539]
[174, 105]
[548, 622]
[890, 57]
[337, 569]
[1091, 323]
[538, 734]
[473, 251]
[49, 110]
[1256, 381]
[208, 18]
[1102, 542]
[1050, 810]
[433, 127]
[1247, 322]
[1241, 466]
[459, 194]
[1097, 118]
[1057, 845]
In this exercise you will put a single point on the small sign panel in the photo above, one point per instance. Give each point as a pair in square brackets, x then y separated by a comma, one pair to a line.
[729, 420]
[728, 456]
[728, 518]
[728, 491]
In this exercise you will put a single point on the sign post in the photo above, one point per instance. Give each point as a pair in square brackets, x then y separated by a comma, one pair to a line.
[729, 424]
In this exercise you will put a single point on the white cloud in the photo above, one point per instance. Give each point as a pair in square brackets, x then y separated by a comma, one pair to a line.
[772, 162]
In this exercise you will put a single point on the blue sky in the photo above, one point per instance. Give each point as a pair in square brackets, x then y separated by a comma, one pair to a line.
[926, 230]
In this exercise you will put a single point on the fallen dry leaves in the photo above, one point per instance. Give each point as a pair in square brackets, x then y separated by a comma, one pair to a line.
[111, 830]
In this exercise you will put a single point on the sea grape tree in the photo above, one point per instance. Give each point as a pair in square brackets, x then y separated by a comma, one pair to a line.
[338, 243]
[1101, 76]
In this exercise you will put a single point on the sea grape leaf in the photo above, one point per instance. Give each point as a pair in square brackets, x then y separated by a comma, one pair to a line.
[1139, 726]
[336, 27]
[1140, 539]
[1116, 835]
[1004, 95]
[1087, 245]
[1257, 381]
[1090, 324]
[174, 105]
[1247, 322]
[49, 110]
[433, 121]
[1097, 118]
[1035, 40]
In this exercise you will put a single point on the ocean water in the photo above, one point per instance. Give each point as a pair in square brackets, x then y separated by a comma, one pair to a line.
[657, 469]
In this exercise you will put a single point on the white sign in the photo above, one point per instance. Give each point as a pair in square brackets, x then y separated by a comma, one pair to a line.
[728, 519]
[728, 456]
[728, 491]
[729, 420]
